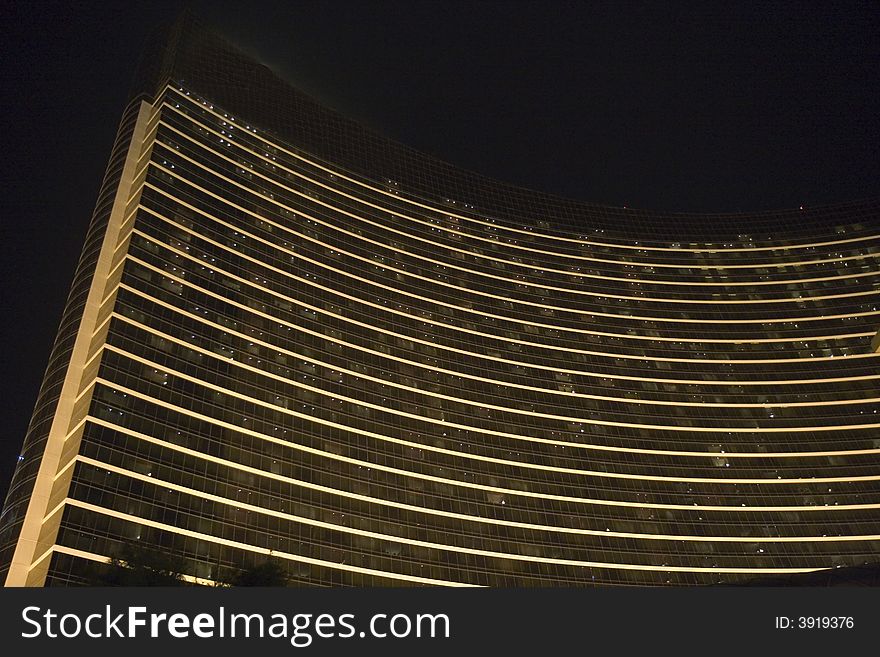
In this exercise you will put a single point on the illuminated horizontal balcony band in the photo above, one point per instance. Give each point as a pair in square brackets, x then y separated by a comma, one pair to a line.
[447, 425]
[419, 391]
[287, 556]
[446, 211]
[287, 229]
[248, 520]
[245, 337]
[426, 366]
[642, 358]
[281, 477]
[736, 510]
[157, 241]
[422, 580]
[372, 263]
[599, 295]
[155, 117]
[507, 262]
[597, 375]
[340, 483]
[148, 479]
[147, 144]
[513, 465]
[408, 235]
[149, 139]
[91, 556]
[396, 291]
[739, 511]
[152, 239]
[482, 431]
[99, 465]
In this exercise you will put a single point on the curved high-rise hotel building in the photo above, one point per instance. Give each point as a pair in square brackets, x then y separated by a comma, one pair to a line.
[291, 337]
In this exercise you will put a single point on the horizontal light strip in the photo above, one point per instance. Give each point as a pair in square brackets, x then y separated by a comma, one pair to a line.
[63, 470]
[149, 135]
[74, 430]
[440, 546]
[462, 550]
[146, 152]
[91, 556]
[41, 558]
[121, 241]
[640, 358]
[450, 265]
[141, 172]
[514, 465]
[433, 244]
[394, 291]
[419, 391]
[100, 326]
[115, 268]
[358, 374]
[487, 520]
[455, 483]
[372, 263]
[61, 503]
[445, 424]
[525, 365]
[491, 224]
[97, 351]
[154, 106]
[253, 548]
[380, 354]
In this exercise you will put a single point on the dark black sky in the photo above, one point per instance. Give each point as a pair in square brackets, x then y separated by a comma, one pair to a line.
[700, 107]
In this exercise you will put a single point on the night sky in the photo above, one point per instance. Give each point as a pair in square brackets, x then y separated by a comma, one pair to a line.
[665, 106]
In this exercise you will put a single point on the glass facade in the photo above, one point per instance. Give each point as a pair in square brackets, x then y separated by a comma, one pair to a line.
[310, 342]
